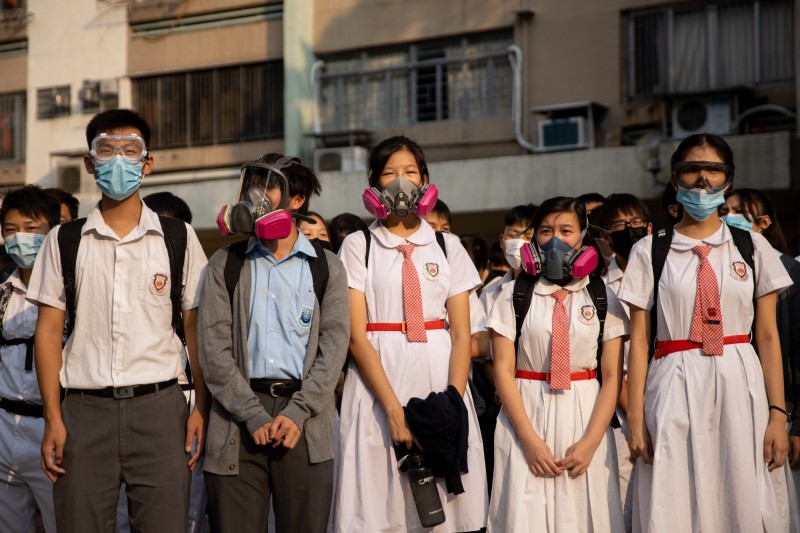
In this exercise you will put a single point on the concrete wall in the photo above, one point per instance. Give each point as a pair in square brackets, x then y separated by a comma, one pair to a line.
[494, 184]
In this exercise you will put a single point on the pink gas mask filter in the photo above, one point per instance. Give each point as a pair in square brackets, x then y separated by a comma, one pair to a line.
[400, 197]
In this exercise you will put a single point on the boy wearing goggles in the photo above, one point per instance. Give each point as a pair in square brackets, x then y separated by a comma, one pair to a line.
[124, 417]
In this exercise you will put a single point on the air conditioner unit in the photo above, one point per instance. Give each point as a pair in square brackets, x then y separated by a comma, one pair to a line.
[563, 134]
[342, 159]
[69, 178]
[702, 114]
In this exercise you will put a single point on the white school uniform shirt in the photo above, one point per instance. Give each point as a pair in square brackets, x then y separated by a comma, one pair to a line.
[123, 332]
[477, 316]
[489, 297]
[19, 322]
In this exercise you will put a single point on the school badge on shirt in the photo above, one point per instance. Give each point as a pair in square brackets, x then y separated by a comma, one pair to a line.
[432, 271]
[587, 314]
[305, 316]
[158, 284]
[739, 271]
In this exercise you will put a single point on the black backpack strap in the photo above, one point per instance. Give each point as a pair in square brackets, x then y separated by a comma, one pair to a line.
[440, 240]
[175, 239]
[659, 250]
[69, 240]
[233, 267]
[521, 299]
[597, 291]
[319, 271]
[744, 242]
[368, 240]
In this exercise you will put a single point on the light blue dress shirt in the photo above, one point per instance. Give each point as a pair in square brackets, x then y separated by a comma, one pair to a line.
[281, 310]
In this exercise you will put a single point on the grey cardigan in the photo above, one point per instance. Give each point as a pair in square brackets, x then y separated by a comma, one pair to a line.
[222, 339]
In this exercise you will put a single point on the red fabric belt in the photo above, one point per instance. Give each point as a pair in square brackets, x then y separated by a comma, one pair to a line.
[545, 376]
[667, 347]
[401, 326]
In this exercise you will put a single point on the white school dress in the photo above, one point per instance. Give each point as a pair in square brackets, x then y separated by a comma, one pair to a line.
[522, 501]
[371, 494]
[706, 414]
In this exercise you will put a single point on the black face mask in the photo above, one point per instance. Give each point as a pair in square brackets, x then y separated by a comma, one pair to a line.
[623, 240]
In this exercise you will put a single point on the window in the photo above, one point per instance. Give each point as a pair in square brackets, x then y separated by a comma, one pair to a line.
[699, 47]
[218, 106]
[12, 128]
[459, 78]
[53, 102]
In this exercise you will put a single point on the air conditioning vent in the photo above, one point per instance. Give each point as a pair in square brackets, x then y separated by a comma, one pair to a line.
[562, 134]
[701, 114]
[343, 159]
[69, 178]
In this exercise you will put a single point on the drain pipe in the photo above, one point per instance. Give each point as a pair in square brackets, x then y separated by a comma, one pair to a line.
[515, 58]
[316, 68]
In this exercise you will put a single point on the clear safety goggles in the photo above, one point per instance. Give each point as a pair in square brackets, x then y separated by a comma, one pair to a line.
[698, 172]
[107, 146]
[258, 178]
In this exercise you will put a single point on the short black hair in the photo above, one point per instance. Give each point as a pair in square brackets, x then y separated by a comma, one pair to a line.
[520, 215]
[624, 203]
[497, 258]
[670, 197]
[34, 202]
[592, 197]
[115, 119]
[343, 225]
[478, 250]
[441, 210]
[168, 205]
[385, 149]
[302, 180]
[312, 214]
[67, 199]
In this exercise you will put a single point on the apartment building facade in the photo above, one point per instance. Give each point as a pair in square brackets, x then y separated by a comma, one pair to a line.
[513, 100]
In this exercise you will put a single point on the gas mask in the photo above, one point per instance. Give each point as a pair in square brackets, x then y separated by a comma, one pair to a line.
[400, 197]
[254, 214]
[557, 260]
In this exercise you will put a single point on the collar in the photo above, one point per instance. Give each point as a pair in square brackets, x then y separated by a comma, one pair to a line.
[15, 280]
[545, 287]
[682, 243]
[148, 222]
[614, 270]
[507, 278]
[424, 235]
[301, 245]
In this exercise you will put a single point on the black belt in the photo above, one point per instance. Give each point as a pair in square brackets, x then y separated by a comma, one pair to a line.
[22, 408]
[187, 386]
[122, 393]
[276, 387]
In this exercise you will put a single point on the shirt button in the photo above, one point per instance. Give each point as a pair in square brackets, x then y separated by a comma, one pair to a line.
[233, 441]
[232, 467]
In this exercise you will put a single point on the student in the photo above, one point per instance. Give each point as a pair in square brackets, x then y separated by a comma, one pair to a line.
[401, 350]
[478, 251]
[69, 205]
[497, 264]
[273, 340]
[555, 463]
[167, 204]
[439, 218]
[706, 417]
[626, 220]
[124, 417]
[27, 215]
[341, 226]
[315, 231]
[752, 210]
[673, 210]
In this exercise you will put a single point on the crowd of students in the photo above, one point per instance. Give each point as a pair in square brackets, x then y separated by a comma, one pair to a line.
[586, 372]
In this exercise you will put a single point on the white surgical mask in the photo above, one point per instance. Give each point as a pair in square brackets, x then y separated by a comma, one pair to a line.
[512, 253]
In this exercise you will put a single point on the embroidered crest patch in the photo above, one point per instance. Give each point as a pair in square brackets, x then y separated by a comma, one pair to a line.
[158, 284]
[739, 271]
[305, 316]
[587, 314]
[432, 271]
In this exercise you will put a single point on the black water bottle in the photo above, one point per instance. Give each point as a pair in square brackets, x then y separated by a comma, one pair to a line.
[423, 488]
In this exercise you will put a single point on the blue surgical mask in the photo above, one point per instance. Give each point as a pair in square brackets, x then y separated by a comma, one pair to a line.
[118, 179]
[738, 220]
[23, 247]
[700, 203]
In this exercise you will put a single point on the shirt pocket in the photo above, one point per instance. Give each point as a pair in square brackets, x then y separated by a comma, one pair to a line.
[155, 287]
[303, 315]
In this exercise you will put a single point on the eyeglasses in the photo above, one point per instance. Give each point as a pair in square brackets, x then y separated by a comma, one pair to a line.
[514, 234]
[105, 147]
[620, 225]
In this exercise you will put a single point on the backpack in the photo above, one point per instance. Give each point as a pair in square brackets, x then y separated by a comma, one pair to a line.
[368, 237]
[660, 248]
[235, 261]
[69, 240]
[523, 293]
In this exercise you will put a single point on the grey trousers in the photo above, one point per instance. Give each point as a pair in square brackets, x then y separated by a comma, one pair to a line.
[301, 492]
[138, 441]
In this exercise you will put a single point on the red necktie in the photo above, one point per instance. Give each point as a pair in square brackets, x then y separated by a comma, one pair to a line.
[559, 347]
[707, 318]
[412, 297]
